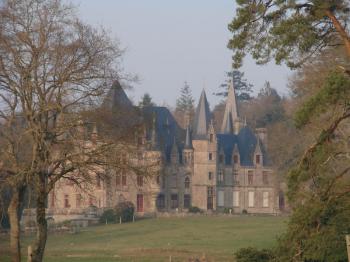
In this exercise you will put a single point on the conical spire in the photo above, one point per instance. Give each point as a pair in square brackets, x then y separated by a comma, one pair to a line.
[230, 114]
[188, 141]
[202, 117]
[116, 98]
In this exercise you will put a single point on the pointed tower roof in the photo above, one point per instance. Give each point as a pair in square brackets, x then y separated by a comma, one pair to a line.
[230, 114]
[116, 98]
[188, 141]
[202, 117]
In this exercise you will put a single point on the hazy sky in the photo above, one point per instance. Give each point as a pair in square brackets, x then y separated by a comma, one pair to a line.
[169, 42]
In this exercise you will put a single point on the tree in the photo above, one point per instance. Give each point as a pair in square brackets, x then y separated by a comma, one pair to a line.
[184, 110]
[288, 31]
[51, 67]
[243, 89]
[146, 101]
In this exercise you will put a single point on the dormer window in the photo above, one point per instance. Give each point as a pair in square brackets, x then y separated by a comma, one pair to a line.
[257, 159]
[235, 159]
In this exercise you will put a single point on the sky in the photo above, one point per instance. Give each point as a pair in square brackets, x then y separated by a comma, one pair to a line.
[170, 42]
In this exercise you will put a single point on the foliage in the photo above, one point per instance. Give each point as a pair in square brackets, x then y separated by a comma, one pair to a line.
[335, 92]
[193, 209]
[185, 103]
[243, 89]
[244, 212]
[146, 101]
[125, 211]
[251, 254]
[108, 216]
[288, 31]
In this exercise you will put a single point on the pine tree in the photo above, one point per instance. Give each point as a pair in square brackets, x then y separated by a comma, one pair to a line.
[243, 89]
[146, 101]
[185, 103]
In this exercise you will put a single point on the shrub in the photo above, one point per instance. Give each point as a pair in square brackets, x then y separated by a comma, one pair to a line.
[108, 216]
[194, 210]
[244, 212]
[251, 254]
[227, 210]
[125, 211]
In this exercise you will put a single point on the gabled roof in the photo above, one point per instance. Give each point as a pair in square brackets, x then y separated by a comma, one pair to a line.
[116, 98]
[230, 114]
[202, 117]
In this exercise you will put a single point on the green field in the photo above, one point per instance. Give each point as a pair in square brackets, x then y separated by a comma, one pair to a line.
[158, 239]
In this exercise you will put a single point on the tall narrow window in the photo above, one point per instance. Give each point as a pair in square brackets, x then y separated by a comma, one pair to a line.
[158, 180]
[265, 178]
[221, 195]
[265, 199]
[210, 175]
[140, 181]
[251, 196]
[210, 156]
[210, 197]
[52, 199]
[66, 201]
[161, 201]
[211, 138]
[98, 182]
[139, 203]
[174, 201]
[124, 180]
[117, 180]
[187, 201]
[235, 178]
[187, 182]
[257, 159]
[236, 198]
[220, 176]
[250, 177]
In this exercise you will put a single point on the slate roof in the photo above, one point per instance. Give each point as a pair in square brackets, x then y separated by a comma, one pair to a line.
[230, 114]
[246, 142]
[201, 118]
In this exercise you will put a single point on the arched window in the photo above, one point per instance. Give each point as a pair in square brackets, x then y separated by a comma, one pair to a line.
[187, 182]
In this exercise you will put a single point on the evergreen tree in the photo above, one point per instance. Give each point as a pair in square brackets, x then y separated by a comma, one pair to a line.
[146, 101]
[243, 89]
[185, 103]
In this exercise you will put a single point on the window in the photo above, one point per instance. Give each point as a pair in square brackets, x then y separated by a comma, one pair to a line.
[117, 180]
[124, 180]
[235, 159]
[210, 156]
[140, 180]
[235, 178]
[210, 175]
[265, 199]
[174, 181]
[98, 182]
[265, 178]
[211, 138]
[210, 197]
[251, 196]
[187, 201]
[174, 201]
[250, 177]
[221, 195]
[139, 203]
[221, 159]
[52, 199]
[158, 180]
[187, 182]
[257, 159]
[78, 199]
[66, 201]
[220, 176]
[236, 198]
[160, 201]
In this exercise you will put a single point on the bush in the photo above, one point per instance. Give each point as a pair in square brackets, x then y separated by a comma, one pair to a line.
[251, 254]
[227, 210]
[244, 212]
[108, 216]
[125, 211]
[194, 210]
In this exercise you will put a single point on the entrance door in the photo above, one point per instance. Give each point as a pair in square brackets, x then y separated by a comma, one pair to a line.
[210, 197]
[139, 203]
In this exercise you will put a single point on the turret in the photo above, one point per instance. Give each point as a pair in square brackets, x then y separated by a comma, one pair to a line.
[202, 118]
[230, 120]
[258, 155]
[188, 148]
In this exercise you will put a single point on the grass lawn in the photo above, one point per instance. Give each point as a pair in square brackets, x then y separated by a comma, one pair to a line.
[158, 239]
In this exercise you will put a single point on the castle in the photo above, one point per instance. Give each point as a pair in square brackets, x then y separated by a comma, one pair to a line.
[198, 166]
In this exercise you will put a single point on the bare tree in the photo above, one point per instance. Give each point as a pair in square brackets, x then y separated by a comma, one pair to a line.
[52, 68]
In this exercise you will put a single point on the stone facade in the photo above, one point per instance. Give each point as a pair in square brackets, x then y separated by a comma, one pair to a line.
[213, 170]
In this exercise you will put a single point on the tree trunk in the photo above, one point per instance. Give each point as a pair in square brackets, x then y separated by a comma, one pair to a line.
[340, 29]
[13, 212]
[41, 235]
